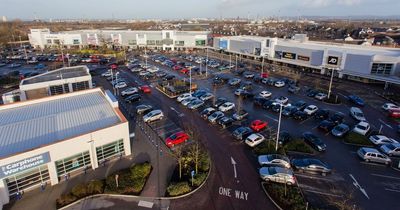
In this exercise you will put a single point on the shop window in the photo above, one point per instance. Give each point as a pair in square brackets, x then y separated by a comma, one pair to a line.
[73, 163]
[200, 42]
[75, 41]
[382, 68]
[56, 41]
[48, 41]
[179, 43]
[80, 86]
[109, 151]
[27, 179]
[151, 42]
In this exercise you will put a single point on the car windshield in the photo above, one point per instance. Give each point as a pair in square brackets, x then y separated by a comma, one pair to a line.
[390, 146]
[361, 127]
[272, 170]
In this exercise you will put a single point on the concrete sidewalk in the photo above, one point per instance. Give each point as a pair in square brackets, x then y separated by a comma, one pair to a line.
[142, 150]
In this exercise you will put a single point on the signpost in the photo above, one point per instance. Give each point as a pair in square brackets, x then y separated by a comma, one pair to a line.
[192, 173]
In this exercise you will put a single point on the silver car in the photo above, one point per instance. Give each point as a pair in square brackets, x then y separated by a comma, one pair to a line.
[274, 160]
[340, 130]
[357, 114]
[153, 116]
[391, 149]
[277, 174]
[373, 155]
[215, 116]
[195, 104]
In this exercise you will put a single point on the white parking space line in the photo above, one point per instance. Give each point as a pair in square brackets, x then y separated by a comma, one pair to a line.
[272, 118]
[145, 204]
[391, 190]
[309, 176]
[385, 176]
[383, 122]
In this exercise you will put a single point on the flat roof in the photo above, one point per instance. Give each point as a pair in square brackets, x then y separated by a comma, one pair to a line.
[32, 124]
[58, 74]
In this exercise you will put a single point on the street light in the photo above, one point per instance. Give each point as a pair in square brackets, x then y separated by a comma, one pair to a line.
[262, 66]
[206, 61]
[279, 126]
[190, 81]
[330, 83]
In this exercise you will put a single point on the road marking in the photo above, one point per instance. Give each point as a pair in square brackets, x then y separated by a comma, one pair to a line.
[323, 193]
[309, 117]
[343, 95]
[355, 183]
[383, 122]
[315, 177]
[146, 204]
[384, 176]
[392, 190]
[234, 167]
[271, 118]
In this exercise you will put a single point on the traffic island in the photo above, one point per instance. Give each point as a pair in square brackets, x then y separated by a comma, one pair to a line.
[293, 146]
[174, 88]
[353, 138]
[333, 100]
[191, 172]
[285, 196]
[128, 181]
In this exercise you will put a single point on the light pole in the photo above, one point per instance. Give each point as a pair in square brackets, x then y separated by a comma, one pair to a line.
[62, 53]
[26, 56]
[230, 60]
[330, 83]
[206, 61]
[190, 81]
[279, 127]
[236, 62]
[262, 66]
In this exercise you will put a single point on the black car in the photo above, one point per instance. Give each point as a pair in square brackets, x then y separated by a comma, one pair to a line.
[284, 137]
[300, 115]
[225, 122]
[289, 111]
[168, 77]
[242, 133]
[234, 82]
[293, 89]
[161, 74]
[257, 78]
[268, 104]
[240, 115]
[144, 109]
[259, 101]
[133, 98]
[322, 114]
[238, 72]
[326, 125]
[207, 112]
[311, 165]
[314, 141]
[247, 94]
[220, 101]
[246, 86]
[276, 108]
[311, 93]
[217, 82]
[300, 105]
[199, 93]
[337, 118]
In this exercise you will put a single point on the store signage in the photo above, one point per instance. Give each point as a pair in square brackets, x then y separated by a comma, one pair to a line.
[303, 58]
[25, 164]
[333, 60]
[288, 55]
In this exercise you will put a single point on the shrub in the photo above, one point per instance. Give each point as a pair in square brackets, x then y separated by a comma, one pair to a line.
[298, 146]
[355, 138]
[292, 200]
[198, 179]
[179, 188]
[139, 171]
[267, 147]
[95, 187]
[79, 190]
[65, 199]
[204, 162]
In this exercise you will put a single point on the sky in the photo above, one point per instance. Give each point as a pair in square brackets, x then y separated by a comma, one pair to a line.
[173, 9]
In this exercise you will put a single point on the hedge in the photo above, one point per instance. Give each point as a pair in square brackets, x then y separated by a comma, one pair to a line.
[298, 146]
[267, 147]
[356, 138]
[180, 188]
[198, 179]
[79, 191]
[292, 200]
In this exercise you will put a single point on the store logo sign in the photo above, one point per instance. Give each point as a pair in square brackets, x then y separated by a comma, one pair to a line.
[25, 164]
[333, 60]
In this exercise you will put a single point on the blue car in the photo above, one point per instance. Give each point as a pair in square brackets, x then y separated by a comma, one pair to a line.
[356, 100]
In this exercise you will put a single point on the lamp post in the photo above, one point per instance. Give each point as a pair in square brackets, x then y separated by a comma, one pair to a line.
[236, 62]
[206, 61]
[330, 83]
[279, 127]
[26, 56]
[190, 81]
[62, 52]
[262, 66]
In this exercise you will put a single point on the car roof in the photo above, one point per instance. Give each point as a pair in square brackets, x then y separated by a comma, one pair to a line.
[368, 149]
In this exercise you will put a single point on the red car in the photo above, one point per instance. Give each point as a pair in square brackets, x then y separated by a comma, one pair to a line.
[176, 138]
[145, 89]
[184, 71]
[177, 67]
[258, 125]
[264, 75]
[394, 114]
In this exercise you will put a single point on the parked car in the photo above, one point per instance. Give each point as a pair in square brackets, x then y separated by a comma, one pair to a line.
[207, 112]
[312, 93]
[259, 101]
[357, 114]
[279, 84]
[177, 138]
[153, 116]
[220, 101]
[242, 133]
[254, 139]
[391, 149]
[183, 97]
[390, 106]
[234, 81]
[274, 160]
[195, 104]
[284, 137]
[189, 100]
[225, 122]
[340, 130]
[321, 96]
[394, 114]
[293, 89]
[314, 141]
[326, 125]
[300, 115]
[300, 105]
[143, 109]
[322, 114]
[311, 109]
[215, 116]
[289, 111]
[206, 97]
[356, 100]
[373, 155]
[248, 75]
[129, 91]
[120, 85]
[311, 165]
[226, 106]
[277, 174]
[145, 89]
[381, 139]
[282, 99]
[337, 118]
[268, 104]
[133, 98]
[240, 115]
[362, 128]
[265, 94]
[258, 125]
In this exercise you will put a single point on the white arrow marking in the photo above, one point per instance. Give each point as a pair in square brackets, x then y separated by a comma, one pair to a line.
[385, 124]
[234, 167]
[355, 183]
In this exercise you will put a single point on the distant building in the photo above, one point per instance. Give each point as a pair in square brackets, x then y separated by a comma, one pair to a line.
[356, 62]
[4, 19]
[60, 81]
[162, 39]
